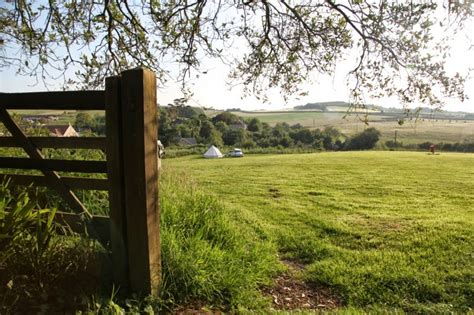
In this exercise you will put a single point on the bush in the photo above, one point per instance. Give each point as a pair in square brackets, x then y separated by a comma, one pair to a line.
[173, 152]
[365, 140]
[392, 144]
[425, 145]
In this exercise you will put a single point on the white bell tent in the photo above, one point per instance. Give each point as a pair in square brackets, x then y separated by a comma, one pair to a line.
[213, 153]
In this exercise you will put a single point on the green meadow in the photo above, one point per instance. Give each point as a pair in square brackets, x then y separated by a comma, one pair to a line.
[380, 230]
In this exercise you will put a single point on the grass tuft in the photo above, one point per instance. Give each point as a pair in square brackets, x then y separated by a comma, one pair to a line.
[206, 257]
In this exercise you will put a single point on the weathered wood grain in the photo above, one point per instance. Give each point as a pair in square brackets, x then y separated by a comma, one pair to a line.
[82, 183]
[139, 118]
[58, 142]
[54, 165]
[118, 228]
[67, 100]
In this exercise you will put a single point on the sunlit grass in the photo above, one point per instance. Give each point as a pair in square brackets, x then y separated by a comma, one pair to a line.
[379, 228]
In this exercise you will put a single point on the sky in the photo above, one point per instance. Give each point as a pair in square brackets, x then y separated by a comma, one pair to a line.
[211, 89]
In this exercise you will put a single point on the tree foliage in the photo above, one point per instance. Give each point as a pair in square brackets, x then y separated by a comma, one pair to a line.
[365, 140]
[85, 121]
[227, 118]
[254, 125]
[399, 47]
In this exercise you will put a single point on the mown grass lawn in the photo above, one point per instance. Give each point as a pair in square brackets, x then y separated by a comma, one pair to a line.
[383, 229]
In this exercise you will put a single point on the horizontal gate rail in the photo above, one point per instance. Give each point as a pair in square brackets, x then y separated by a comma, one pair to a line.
[82, 183]
[97, 226]
[54, 165]
[58, 142]
[68, 100]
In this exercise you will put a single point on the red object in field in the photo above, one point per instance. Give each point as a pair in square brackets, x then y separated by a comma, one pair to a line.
[432, 148]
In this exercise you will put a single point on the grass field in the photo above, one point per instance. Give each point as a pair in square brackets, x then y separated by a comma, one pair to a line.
[379, 229]
[411, 132]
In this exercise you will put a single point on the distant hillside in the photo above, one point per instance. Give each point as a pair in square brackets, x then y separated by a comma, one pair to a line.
[322, 106]
[422, 112]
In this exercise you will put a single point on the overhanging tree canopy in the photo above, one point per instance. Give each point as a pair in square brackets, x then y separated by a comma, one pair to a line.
[399, 44]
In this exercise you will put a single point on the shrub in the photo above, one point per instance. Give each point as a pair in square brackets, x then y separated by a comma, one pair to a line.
[424, 145]
[392, 144]
[365, 140]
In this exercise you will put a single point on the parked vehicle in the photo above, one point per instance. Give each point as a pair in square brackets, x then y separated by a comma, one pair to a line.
[236, 153]
[161, 149]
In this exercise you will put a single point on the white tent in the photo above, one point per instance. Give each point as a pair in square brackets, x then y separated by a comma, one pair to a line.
[213, 153]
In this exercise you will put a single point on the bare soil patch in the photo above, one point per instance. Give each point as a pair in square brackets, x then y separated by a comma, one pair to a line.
[274, 193]
[291, 293]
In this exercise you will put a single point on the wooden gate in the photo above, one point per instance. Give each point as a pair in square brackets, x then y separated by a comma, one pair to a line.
[132, 230]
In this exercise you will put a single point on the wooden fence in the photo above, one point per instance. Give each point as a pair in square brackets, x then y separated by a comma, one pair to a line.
[131, 232]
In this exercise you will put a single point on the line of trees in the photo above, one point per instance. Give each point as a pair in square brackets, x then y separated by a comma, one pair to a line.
[227, 129]
[465, 146]
[231, 130]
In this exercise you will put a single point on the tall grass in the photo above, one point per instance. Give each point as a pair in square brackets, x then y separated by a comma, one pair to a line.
[37, 265]
[207, 257]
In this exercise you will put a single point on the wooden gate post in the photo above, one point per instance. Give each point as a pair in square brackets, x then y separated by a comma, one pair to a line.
[114, 149]
[140, 171]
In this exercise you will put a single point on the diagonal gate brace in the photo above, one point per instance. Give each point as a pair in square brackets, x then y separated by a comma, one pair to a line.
[52, 176]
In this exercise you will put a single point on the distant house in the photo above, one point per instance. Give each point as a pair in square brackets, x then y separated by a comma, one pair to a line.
[187, 141]
[180, 121]
[62, 131]
[239, 125]
[39, 118]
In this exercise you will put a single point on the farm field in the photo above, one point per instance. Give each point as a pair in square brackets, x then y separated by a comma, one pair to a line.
[377, 229]
[64, 117]
[434, 130]
[411, 132]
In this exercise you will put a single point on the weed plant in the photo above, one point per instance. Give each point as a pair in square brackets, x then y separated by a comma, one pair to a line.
[37, 265]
